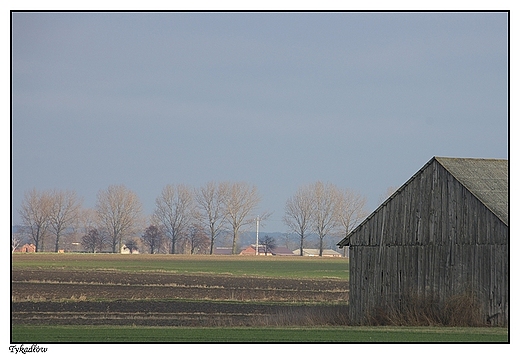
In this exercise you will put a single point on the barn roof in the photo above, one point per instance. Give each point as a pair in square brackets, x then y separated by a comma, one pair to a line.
[486, 179]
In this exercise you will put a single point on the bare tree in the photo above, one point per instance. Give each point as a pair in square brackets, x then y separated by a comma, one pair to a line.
[241, 200]
[173, 209]
[119, 213]
[269, 244]
[153, 237]
[35, 214]
[88, 220]
[64, 213]
[350, 210]
[16, 240]
[94, 240]
[349, 213]
[198, 241]
[299, 210]
[210, 200]
[90, 239]
[325, 200]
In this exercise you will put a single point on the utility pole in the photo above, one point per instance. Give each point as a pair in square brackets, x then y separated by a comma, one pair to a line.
[257, 227]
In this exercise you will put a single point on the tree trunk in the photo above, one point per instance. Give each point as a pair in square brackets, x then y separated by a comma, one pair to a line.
[57, 246]
[114, 244]
[233, 249]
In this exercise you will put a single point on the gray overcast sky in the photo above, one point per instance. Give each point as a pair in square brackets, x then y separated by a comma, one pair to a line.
[361, 100]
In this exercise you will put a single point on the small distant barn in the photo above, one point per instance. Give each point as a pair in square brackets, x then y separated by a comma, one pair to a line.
[315, 252]
[443, 234]
[282, 251]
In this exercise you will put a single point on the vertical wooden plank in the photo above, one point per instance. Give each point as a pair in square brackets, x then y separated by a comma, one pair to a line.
[505, 268]
[486, 277]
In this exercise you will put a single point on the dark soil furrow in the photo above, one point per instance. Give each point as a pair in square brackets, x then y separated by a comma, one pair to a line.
[145, 307]
[57, 291]
[126, 278]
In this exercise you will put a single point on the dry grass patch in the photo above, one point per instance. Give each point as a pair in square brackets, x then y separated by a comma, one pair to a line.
[462, 310]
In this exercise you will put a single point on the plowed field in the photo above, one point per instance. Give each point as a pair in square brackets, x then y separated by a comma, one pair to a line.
[167, 299]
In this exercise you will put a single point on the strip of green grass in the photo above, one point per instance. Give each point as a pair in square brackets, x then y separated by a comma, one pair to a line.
[281, 267]
[123, 334]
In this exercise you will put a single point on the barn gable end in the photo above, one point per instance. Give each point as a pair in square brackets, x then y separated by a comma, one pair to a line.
[442, 234]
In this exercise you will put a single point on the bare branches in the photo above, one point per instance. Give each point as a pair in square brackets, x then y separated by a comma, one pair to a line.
[299, 210]
[269, 244]
[241, 200]
[119, 212]
[153, 237]
[351, 210]
[15, 241]
[196, 239]
[173, 209]
[94, 240]
[325, 198]
[64, 213]
[324, 209]
[95, 237]
[35, 213]
[210, 201]
[185, 214]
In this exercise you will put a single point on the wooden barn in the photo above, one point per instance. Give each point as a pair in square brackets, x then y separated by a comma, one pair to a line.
[443, 235]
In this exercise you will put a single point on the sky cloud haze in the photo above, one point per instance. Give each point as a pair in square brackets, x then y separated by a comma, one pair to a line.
[278, 100]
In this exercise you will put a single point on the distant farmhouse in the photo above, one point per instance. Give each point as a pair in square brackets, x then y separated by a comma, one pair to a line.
[27, 248]
[443, 234]
[315, 252]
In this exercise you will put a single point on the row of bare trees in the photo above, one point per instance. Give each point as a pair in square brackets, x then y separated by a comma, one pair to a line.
[180, 213]
[183, 216]
[323, 209]
[51, 212]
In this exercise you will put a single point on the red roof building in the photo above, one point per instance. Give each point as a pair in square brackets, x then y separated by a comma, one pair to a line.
[27, 248]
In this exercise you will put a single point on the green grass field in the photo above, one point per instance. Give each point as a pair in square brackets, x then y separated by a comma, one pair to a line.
[120, 334]
[282, 267]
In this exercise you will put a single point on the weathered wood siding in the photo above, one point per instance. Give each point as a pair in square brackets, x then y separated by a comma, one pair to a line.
[433, 238]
